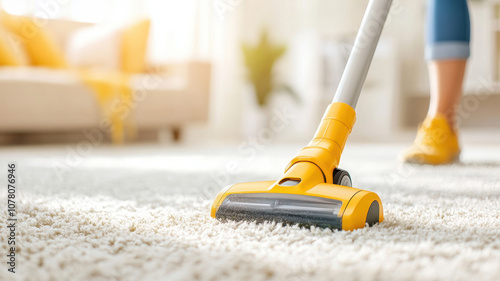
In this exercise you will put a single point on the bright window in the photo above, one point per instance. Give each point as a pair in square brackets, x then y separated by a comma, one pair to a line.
[16, 7]
[95, 11]
[180, 29]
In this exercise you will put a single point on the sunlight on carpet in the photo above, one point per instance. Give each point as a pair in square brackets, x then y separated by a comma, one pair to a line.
[142, 213]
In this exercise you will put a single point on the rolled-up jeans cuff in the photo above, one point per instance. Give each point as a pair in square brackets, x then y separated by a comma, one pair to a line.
[447, 50]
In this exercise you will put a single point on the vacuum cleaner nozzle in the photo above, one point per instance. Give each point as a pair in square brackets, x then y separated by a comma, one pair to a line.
[309, 193]
[324, 205]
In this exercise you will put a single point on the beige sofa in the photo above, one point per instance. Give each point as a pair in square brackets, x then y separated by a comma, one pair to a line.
[42, 100]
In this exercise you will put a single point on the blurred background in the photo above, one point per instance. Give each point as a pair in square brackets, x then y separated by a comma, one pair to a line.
[263, 71]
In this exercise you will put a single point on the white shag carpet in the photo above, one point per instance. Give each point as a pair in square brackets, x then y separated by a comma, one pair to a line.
[142, 213]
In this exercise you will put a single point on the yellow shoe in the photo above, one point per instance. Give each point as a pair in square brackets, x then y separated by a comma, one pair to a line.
[436, 143]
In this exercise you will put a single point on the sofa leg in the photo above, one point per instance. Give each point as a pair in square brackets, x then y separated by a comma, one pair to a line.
[176, 133]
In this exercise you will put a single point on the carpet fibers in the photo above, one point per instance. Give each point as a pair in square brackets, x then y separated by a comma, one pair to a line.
[142, 213]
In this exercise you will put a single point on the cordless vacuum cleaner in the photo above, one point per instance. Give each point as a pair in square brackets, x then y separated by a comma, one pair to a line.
[313, 191]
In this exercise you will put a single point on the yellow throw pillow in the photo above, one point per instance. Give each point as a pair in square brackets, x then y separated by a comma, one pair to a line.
[40, 47]
[134, 45]
[11, 53]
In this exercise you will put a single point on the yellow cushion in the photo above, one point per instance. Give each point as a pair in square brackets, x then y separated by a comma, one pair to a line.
[11, 53]
[40, 47]
[134, 44]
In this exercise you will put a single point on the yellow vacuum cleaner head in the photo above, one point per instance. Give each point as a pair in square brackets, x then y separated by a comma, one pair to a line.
[313, 191]
[324, 205]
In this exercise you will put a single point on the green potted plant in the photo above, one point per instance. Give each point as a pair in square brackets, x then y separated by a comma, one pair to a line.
[259, 62]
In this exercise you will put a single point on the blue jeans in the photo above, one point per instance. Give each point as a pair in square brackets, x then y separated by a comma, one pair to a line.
[448, 30]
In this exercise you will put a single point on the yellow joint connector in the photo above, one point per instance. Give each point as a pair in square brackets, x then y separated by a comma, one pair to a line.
[329, 140]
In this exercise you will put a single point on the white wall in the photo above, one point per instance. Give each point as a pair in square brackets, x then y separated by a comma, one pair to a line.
[292, 22]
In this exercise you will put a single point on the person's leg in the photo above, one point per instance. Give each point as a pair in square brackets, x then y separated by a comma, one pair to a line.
[445, 79]
[447, 50]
